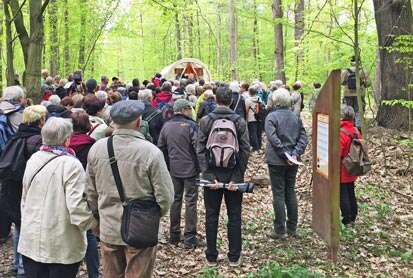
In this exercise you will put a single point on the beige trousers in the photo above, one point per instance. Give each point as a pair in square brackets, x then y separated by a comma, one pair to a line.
[125, 261]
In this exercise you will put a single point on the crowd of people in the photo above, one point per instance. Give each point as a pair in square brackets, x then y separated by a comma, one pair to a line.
[57, 186]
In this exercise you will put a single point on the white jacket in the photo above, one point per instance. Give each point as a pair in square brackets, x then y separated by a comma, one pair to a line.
[55, 213]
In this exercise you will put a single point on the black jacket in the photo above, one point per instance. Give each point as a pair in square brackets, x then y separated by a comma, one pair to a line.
[223, 174]
[178, 143]
[156, 123]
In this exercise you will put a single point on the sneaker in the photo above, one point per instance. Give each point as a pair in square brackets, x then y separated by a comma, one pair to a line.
[198, 244]
[237, 263]
[210, 263]
[274, 235]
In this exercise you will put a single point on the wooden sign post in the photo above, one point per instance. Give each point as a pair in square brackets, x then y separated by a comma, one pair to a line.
[326, 164]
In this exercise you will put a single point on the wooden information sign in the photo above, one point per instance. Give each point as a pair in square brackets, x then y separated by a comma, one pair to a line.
[326, 163]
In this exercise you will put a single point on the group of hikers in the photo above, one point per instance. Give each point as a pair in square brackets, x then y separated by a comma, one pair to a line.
[71, 164]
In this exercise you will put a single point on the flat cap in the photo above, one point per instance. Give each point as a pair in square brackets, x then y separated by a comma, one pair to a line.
[126, 111]
[181, 103]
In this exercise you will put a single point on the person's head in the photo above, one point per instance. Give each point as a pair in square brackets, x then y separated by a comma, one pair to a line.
[133, 95]
[67, 102]
[145, 83]
[244, 87]
[16, 76]
[78, 100]
[57, 79]
[94, 106]
[190, 89]
[14, 93]
[77, 77]
[135, 82]
[274, 85]
[316, 85]
[201, 82]
[122, 91]
[115, 97]
[45, 73]
[81, 122]
[182, 106]
[55, 100]
[353, 60]
[281, 97]
[62, 83]
[183, 82]
[102, 95]
[49, 80]
[234, 86]
[252, 91]
[347, 113]
[145, 95]
[35, 115]
[104, 79]
[191, 76]
[224, 96]
[57, 132]
[208, 94]
[115, 79]
[127, 114]
[92, 86]
[166, 87]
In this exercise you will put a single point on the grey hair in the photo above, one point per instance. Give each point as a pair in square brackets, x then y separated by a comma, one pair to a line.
[56, 130]
[102, 95]
[281, 97]
[55, 100]
[144, 95]
[234, 86]
[13, 93]
[347, 113]
[49, 80]
[190, 89]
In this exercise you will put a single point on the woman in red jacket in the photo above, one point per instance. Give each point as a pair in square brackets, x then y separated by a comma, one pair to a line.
[348, 201]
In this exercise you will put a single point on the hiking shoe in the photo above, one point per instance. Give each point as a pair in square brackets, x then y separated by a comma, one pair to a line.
[198, 244]
[237, 263]
[210, 263]
[174, 241]
[292, 233]
[274, 235]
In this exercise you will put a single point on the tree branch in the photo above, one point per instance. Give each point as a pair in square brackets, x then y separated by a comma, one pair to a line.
[18, 11]
[44, 6]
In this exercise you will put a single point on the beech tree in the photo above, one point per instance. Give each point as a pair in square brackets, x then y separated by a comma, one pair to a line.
[278, 40]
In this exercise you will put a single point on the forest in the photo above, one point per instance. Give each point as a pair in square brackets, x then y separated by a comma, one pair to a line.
[244, 40]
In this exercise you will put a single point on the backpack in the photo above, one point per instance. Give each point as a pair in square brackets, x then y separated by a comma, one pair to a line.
[152, 116]
[167, 111]
[6, 130]
[222, 145]
[357, 162]
[351, 80]
[13, 160]
[209, 107]
[162, 103]
[260, 111]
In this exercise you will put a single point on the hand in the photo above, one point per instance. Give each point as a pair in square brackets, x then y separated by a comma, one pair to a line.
[214, 186]
[96, 231]
[232, 187]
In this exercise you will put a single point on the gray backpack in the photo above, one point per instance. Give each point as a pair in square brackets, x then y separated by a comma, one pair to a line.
[222, 145]
[357, 161]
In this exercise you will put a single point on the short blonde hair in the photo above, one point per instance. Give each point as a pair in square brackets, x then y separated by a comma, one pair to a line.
[56, 130]
[33, 114]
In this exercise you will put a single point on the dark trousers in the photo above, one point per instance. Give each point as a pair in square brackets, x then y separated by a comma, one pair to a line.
[5, 225]
[190, 188]
[352, 101]
[260, 131]
[283, 196]
[35, 269]
[233, 201]
[254, 135]
[92, 256]
[348, 203]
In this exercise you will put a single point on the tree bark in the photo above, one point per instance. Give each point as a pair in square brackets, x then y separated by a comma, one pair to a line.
[9, 45]
[198, 30]
[66, 39]
[278, 40]
[298, 34]
[233, 40]
[219, 40]
[178, 35]
[20, 28]
[255, 42]
[82, 47]
[393, 18]
[54, 36]
[1, 49]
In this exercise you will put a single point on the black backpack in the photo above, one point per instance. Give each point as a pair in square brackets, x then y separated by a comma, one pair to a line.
[260, 111]
[351, 80]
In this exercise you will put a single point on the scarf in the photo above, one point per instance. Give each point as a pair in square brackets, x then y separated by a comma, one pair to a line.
[58, 150]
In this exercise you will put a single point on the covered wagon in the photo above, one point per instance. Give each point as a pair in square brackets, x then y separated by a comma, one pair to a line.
[185, 67]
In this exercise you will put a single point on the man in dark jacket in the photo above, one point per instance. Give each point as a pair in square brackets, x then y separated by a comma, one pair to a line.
[151, 115]
[213, 195]
[178, 142]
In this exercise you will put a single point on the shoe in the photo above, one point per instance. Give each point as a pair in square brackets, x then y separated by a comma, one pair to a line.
[13, 272]
[237, 263]
[210, 263]
[174, 241]
[21, 276]
[292, 233]
[273, 235]
[198, 244]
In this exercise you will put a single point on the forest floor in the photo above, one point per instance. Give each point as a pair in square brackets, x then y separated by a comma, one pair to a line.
[380, 245]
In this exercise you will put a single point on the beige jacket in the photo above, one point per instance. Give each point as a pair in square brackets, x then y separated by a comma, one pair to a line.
[143, 172]
[364, 77]
[55, 213]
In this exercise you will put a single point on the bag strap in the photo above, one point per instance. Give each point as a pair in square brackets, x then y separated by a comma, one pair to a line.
[350, 71]
[236, 105]
[153, 115]
[115, 169]
[31, 180]
[349, 135]
[93, 129]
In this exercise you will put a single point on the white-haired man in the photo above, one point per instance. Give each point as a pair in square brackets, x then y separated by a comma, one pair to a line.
[12, 105]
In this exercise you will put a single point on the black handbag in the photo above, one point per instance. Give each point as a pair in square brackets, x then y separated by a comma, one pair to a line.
[141, 217]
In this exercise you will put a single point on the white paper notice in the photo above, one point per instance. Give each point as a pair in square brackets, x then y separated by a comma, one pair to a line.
[322, 144]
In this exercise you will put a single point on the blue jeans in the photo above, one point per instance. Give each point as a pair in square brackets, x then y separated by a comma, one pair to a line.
[92, 256]
[17, 257]
[283, 192]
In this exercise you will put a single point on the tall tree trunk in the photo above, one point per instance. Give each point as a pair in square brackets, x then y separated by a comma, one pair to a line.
[9, 45]
[1, 48]
[219, 44]
[54, 36]
[393, 19]
[142, 45]
[198, 30]
[82, 46]
[178, 35]
[66, 48]
[20, 28]
[191, 34]
[233, 40]
[298, 34]
[377, 83]
[255, 39]
[278, 40]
